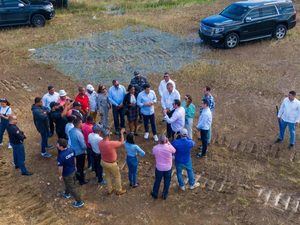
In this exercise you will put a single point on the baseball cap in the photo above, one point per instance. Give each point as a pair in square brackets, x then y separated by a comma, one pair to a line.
[136, 73]
[184, 132]
[76, 104]
[90, 87]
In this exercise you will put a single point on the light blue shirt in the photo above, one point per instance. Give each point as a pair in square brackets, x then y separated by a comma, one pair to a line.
[77, 141]
[68, 127]
[116, 95]
[205, 119]
[133, 150]
[143, 98]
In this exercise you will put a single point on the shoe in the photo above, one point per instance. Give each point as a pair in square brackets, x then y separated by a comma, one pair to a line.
[27, 174]
[135, 185]
[1, 144]
[123, 191]
[83, 182]
[78, 204]
[278, 140]
[153, 195]
[146, 135]
[46, 155]
[197, 184]
[164, 197]
[66, 196]
[9, 146]
[155, 138]
[103, 182]
[291, 146]
[182, 188]
[50, 147]
[199, 155]
[135, 134]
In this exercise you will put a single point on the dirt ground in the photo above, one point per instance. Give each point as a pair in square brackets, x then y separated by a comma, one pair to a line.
[246, 179]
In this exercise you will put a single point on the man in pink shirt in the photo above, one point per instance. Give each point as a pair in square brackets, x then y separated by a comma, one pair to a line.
[87, 128]
[163, 158]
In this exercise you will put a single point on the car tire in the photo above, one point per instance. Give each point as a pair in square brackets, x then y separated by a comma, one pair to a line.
[231, 40]
[38, 20]
[280, 32]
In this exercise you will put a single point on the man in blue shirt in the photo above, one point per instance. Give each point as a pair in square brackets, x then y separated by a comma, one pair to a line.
[116, 94]
[66, 171]
[183, 146]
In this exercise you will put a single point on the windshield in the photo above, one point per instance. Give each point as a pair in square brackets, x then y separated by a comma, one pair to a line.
[234, 12]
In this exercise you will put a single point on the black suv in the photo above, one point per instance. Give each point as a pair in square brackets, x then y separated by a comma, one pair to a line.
[18, 12]
[248, 20]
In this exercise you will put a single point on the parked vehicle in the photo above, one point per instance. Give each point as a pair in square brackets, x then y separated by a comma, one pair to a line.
[248, 20]
[18, 12]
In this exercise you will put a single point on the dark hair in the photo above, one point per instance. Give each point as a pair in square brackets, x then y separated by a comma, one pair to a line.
[50, 87]
[37, 100]
[100, 88]
[62, 142]
[71, 118]
[177, 102]
[77, 121]
[89, 119]
[170, 83]
[189, 97]
[166, 74]
[80, 88]
[129, 87]
[5, 100]
[130, 138]
[146, 86]
[114, 81]
[205, 101]
[292, 93]
[207, 88]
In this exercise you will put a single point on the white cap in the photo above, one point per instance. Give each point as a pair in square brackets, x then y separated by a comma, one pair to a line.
[184, 132]
[62, 93]
[90, 87]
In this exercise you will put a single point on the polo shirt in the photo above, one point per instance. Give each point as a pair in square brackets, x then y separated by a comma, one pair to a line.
[66, 160]
[108, 150]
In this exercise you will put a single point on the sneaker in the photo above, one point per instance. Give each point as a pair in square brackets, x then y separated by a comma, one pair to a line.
[9, 146]
[146, 135]
[291, 146]
[103, 182]
[78, 204]
[27, 174]
[135, 185]
[278, 140]
[66, 196]
[46, 155]
[155, 138]
[153, 195]
[123, 191]
[50, 147]
[197, 184]
[182, 188]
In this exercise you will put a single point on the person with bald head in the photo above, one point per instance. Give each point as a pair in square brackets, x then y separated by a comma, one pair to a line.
[16, 138]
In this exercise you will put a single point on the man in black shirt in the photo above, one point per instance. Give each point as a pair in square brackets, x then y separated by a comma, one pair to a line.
[58, 116]
[16, 139]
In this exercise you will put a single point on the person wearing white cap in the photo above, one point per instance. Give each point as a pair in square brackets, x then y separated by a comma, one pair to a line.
[91, 93]
[63, 98]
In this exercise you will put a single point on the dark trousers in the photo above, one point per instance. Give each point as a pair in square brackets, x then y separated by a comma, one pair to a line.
[167, 180]
[204, 139]
[150, 118]
[70, 187]
[3, 126]
[118, 115]
[19, 156]
[90, 157]
[132, 163]
[97, 166]
[80, 160]
[51, 124]
[170, 132]
[44, 142]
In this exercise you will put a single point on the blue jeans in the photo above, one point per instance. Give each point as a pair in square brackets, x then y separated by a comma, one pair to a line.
[189, 169]
[44, 142]
[3, 126]
[132, 163]
[19, 156]
[292, 129]
[167, 180]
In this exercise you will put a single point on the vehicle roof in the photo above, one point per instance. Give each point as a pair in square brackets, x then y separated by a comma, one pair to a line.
[257, 3]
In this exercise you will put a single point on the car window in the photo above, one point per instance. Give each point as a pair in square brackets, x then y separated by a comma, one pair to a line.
[234, 12]
[254, 14]
[10, 3]
[286, 8]
[268, 11]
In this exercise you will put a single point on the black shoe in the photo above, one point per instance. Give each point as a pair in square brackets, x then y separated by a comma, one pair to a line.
[291, 146]
[278, 140]
[27, 174]
[16, 167]
[83, 182]
[50, 147]
[200, 148]
[199, 155]
[135, 134]
[153, 196]
[164, 197]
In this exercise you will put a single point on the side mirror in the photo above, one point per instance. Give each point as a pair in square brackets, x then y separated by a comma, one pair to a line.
[21, 5]
[248, 19]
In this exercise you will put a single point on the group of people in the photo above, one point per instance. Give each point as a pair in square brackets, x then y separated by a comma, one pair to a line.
[83, 137]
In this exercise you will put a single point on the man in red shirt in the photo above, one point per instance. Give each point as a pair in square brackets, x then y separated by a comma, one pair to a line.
[108, 150]
[83, 99]
[87, 128]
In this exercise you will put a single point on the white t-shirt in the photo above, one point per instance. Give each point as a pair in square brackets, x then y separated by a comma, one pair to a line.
[94, 140]
[5, 110]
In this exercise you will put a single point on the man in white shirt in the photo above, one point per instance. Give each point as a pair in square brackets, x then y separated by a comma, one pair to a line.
[204, 124]
[289, 115]
[94, 139]
[163, 84]
[177, 119]
[91, 93]
[167, 101]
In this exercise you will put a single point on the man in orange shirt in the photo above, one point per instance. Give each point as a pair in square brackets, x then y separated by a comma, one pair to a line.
[108, 150]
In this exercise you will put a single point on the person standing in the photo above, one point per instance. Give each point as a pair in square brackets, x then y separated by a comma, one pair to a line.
[167, 101]
[289, 116]
[146, 100]
[5, 112]
[87, 128]
[66, 172]
[50, 96]
[138, 82]
[108, 150]
[91, 93]
[68, 127]
[63, 98]
[103, 105]
[76, 111]
[163, 168]
[177, 119]
[116, 95]
[204, 124]
[190, 111]
[16, 139]
[94, 139]
[58, 116]
[163, 84]
[84, 101]
[183, 160]
[132, 161]
[41, 122]
[131, 108]
[79, 147]
[211, 104]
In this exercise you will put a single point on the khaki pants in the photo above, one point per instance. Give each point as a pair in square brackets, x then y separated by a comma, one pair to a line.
[71, 187]
[112, 171]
